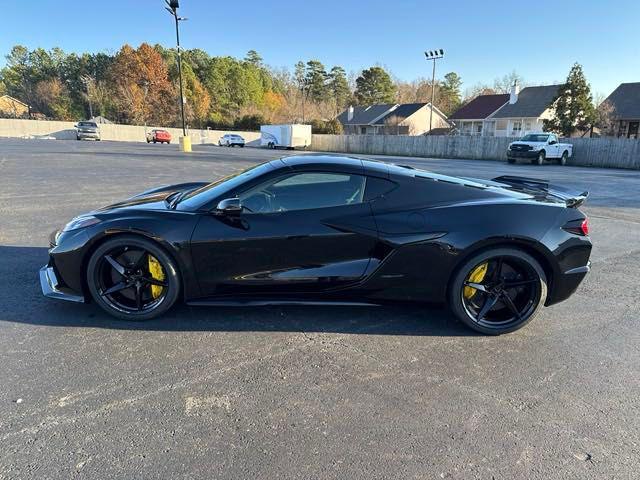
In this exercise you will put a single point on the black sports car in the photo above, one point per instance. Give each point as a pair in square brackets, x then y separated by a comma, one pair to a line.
[331, 229]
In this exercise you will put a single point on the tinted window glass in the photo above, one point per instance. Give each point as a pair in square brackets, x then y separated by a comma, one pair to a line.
[202, 196]
[376, 187]
[304, 191]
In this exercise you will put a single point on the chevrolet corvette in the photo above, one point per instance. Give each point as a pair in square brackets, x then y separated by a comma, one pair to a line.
[312, 229]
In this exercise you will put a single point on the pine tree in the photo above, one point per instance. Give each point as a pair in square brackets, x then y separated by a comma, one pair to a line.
[373, 86]
[339, 87]
[574, 108]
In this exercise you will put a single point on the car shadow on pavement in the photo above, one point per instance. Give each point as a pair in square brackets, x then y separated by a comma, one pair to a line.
[21, 301]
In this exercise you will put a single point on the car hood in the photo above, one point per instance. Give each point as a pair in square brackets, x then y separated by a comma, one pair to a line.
[154, 198]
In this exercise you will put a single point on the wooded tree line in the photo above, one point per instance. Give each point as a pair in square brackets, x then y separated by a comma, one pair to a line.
[134, 86]
[138, 85]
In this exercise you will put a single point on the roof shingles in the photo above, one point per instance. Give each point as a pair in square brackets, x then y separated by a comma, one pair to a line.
[480, 107]
[532, 102]
[625, 101]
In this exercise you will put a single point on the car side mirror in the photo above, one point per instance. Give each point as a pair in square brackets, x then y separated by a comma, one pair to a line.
[229, 206]
[553, 142]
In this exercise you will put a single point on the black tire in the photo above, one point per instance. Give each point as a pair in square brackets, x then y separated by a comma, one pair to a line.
[539, 160]
[119, 304]
[148, 140]
[154, 140]
[504, 315]
[511, 160]
[564, 158]
[78, 138]
[242, 145]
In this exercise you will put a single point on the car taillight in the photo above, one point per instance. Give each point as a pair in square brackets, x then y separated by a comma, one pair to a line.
[579, 227]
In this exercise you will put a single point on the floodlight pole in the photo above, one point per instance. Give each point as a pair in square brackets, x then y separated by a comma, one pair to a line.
[433, 55]
[173, 10]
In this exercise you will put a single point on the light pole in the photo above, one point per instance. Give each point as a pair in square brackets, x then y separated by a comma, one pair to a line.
[145, 89]
[86, 79]
[173, 10]
[433, 55]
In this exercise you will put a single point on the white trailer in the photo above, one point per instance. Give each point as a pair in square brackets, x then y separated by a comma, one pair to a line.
[285, 136]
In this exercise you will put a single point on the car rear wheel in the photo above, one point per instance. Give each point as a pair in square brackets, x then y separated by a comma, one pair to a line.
[132, 278]
[498, 291]
[563, 158]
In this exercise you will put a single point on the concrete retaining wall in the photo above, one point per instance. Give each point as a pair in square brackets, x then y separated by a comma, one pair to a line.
[121, 133]
[597, 152]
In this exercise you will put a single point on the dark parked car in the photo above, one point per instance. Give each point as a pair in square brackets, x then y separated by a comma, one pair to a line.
[309, 229]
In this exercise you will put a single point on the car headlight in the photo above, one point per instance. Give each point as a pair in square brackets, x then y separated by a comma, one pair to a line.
[81, 222]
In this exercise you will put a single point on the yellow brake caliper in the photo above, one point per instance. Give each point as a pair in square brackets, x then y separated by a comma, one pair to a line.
[155, 269]
[476, 276]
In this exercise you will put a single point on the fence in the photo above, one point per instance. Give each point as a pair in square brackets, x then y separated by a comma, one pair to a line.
[596, 152]
[109, 131]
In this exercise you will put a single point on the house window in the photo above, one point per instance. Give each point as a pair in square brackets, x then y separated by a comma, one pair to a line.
[501, 125]
[478, 129]
[517, 128]
[363, 130]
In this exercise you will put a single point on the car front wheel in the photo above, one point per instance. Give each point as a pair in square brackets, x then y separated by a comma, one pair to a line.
[498, 291]
[132, 278]
[539, 160]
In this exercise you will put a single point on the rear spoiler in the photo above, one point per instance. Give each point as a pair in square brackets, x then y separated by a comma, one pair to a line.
[536, 187]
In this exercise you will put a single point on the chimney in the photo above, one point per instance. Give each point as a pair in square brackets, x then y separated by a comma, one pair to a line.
[515, 89]
[350, 113]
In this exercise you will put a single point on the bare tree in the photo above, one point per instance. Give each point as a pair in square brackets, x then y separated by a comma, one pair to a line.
[606, 120]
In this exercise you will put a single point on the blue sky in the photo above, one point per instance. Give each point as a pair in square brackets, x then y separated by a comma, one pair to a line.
[482, 40]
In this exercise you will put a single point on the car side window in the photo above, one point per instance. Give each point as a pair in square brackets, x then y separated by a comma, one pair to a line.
[377, 187]
[304, 191]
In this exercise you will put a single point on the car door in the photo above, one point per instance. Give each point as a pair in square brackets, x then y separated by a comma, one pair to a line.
[304, 232]
[553, 146]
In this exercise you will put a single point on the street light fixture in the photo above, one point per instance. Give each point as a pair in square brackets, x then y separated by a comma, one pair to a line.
[433, 55]
[172, 8]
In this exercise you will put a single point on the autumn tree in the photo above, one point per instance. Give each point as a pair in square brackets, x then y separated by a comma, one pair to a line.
[373, 86]
[52, 98]
[131, 72]
[573, 105]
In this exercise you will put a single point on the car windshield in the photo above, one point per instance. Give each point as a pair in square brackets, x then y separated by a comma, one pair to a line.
[535, 137]
[87, 124]
[206, 194]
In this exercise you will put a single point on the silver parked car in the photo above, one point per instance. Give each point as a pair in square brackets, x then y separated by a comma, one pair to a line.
[87, 130]
[231, 140]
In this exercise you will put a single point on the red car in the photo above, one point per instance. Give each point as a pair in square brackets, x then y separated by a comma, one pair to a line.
[157, 135]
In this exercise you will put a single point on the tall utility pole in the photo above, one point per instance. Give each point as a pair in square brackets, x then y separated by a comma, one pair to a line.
[433, 55]
[172, 8]
[86, 80]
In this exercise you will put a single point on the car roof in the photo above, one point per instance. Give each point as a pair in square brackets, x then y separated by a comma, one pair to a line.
[371, 167]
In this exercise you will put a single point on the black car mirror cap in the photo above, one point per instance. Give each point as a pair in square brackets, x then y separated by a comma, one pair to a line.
[229, 206]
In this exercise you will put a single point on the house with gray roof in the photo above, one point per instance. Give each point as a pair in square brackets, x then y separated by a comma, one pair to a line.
[624, 103]
[391, 119]
[525, 111]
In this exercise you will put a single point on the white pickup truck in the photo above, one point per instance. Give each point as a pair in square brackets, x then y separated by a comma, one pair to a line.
[539, 147]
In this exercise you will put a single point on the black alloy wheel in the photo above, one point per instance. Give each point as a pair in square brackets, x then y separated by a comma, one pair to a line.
[132, 278]
[498, 291]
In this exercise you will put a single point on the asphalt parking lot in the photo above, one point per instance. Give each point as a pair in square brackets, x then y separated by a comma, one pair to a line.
[305, 392]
